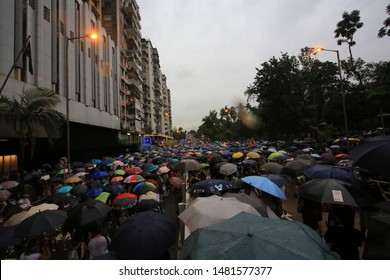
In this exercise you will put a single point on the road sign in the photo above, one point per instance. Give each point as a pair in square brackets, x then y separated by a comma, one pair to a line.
[146, 143]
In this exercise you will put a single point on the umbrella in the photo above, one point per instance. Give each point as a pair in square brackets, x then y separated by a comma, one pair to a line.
[296, 167]
[253, 155]
[163, 169]
[210, 187]
[272, 167]
[377, 245]
[255, 202]
[148, 201]
[249, 237]
[39, 223]
[237, 155]
[264, 184]
[6, 236]
[88, 212]
[133, 179]
[120, 172]
[125, 195]
[9, 184]
[133, 170]
[67, 203]
[327, 171]
[228, 169]
[124, 203]
[94, 192]
[176, 182]
[117, 179]
[144, 187]
[273, 155]
[64, 189]
[332, 191]
[113, 188]
[118, 163]
[205, 211]
[278, 179]
[79, 189]
[145, 235]
[249, 163]
[21, 216]
[99, 174]
[103, 197]
[187, 165]
[72, 180]
[373, 155]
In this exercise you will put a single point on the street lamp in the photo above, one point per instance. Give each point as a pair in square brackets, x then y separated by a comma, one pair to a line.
[318, 50]
[92, 36]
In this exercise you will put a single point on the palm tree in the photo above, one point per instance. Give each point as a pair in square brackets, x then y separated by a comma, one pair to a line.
[32, 112]
[385, 29]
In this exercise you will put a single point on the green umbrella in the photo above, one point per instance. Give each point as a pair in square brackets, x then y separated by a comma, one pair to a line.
[249, 237]
[103, 197]
[120, 172]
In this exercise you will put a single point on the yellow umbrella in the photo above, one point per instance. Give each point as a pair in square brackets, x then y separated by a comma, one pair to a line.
[237, 155]
[253, 155]
[71, 180]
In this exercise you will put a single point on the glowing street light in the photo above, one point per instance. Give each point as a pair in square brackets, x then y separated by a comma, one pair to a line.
[92, 36]
[318, 50]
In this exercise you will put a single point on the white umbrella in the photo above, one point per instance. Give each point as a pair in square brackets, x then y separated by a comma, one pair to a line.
[205, 211]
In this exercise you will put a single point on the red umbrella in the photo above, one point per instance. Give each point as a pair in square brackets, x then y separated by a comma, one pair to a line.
[117, 179]
[124, 195]
[133, 179]
[133, 170]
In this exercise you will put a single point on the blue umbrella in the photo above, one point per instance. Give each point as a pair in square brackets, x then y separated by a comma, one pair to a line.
[327, 171]
[98, 174]
[64, 189]
[94, 192]
[264, 184]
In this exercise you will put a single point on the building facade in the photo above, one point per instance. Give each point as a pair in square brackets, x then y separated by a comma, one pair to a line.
[100, 82]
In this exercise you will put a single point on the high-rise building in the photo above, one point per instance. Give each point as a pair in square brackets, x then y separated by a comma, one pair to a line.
[121, 19]
[101, 83]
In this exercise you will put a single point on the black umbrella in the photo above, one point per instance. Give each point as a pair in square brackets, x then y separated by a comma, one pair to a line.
[88, 212]
[373, 155]
[124, 203]
[39, 223]
[296, 167]
[79, 189]
[210, 187]
[257, 203]
[335, 192]
[145, 235]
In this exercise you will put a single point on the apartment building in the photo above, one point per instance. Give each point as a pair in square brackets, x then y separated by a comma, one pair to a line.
[100, 82]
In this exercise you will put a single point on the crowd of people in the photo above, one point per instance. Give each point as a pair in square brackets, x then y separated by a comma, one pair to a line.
[151, 175]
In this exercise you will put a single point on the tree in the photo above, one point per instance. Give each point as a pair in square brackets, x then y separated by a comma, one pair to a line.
[211, 126]
[278, 92]
[32, 113]
[385, 29]
[346, 29]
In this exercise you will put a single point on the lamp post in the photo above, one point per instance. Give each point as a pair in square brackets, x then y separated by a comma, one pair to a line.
[91, 36]
[318, 50]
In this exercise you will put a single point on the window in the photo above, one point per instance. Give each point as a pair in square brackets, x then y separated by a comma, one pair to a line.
[62, 28]
[46, 13]
[32, 4]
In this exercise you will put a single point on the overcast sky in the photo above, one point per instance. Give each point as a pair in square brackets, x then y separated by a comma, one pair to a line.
[209, 49]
